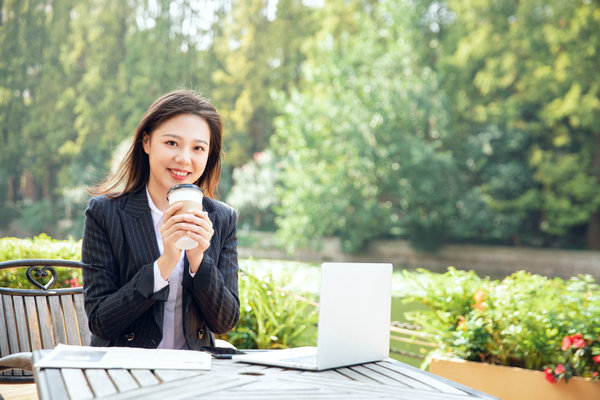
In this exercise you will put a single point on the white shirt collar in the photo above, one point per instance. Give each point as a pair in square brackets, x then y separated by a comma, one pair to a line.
[157, 215]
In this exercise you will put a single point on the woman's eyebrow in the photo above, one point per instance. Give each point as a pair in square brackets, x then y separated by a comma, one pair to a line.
[173, 135]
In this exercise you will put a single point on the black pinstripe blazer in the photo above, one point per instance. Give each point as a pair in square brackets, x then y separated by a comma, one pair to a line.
[118, 252]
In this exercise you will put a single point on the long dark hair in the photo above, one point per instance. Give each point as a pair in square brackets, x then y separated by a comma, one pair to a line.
[134, 171]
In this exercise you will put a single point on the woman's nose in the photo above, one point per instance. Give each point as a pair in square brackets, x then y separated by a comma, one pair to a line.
[183, 156]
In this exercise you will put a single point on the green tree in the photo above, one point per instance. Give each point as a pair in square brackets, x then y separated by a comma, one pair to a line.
[257, 51]
[133, 53]
[22, 32]
[529, 71]
[52, 106]
[364, 141]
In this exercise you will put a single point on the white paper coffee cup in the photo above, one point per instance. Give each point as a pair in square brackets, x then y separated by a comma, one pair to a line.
[191, 197]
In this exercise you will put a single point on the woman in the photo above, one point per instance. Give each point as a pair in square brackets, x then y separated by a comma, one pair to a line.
[140, 290]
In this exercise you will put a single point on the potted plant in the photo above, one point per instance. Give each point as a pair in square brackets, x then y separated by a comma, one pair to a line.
[518, 323]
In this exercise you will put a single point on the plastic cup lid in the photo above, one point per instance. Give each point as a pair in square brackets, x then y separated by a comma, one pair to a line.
[184, 186]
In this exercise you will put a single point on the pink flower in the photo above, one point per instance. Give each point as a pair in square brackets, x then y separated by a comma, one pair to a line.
[596, 359]
[549, 375]
[559, 369]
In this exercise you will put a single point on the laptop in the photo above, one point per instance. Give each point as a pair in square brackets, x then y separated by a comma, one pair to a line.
[354, 320]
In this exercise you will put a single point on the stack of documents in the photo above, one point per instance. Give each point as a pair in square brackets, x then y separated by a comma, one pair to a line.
[65, 356]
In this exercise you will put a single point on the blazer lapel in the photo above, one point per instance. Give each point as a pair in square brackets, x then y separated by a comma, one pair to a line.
[139, 229]
[212, 213]
[141, 237]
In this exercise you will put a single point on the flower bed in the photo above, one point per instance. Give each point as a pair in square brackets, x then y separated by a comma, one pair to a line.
[520, 321]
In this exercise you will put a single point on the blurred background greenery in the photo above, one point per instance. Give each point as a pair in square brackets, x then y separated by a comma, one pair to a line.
[431, 121]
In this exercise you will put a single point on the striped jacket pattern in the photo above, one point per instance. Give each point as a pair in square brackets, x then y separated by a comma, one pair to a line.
[118, 252]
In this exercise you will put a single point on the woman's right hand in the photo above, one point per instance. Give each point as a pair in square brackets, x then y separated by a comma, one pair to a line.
[170, 230]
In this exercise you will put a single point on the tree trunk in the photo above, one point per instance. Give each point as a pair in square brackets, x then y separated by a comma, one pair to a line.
[593, 232]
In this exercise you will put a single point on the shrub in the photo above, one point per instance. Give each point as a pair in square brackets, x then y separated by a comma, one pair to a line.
[41, 246]
[519, 321]
[271, 317]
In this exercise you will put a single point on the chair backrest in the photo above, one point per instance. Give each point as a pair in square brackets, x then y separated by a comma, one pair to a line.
[34, 319]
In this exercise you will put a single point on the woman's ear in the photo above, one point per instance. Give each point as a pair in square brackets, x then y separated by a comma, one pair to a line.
[146, 143]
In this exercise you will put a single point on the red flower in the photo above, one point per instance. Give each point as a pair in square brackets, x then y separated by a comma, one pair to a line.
[549, 375]
[581, 359]
[566, 343]
[576, 341]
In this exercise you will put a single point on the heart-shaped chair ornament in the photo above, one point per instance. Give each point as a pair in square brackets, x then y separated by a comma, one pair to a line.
[41, 273]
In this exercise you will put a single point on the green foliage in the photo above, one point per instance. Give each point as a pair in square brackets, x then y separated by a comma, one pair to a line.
[272, 317]
[8, 213]
[465, 120]
[524, 68]
[497, 178]
[257, 50]
[362, 144]
[253, 193]
[41, 216]
[519, 321]
[582, 358]
[41, 246]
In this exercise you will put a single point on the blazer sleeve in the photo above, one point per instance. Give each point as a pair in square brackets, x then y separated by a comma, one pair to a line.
[214, 287]
[113, 300]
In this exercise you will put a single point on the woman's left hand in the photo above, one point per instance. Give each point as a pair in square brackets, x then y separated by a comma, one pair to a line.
[202, 232]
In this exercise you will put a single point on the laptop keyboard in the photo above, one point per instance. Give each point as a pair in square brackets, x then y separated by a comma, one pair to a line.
[310, 359]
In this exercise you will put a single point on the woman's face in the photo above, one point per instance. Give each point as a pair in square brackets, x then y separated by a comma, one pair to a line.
[177, 151]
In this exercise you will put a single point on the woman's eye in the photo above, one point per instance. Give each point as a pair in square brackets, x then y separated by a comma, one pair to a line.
[199, 148]
[171, 143]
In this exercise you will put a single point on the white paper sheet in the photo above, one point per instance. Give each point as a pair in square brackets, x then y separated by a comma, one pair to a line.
[66, 356]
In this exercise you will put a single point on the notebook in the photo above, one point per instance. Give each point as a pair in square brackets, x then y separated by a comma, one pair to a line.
[354, 320]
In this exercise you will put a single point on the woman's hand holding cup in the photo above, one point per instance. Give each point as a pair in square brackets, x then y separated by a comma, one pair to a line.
[190, 227]
[201, 232]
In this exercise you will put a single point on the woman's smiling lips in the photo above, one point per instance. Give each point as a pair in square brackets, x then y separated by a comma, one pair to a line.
[179, 174]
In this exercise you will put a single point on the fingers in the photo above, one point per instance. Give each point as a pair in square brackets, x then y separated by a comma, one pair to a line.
[194, 223]
[198, 225]
[172, 210]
